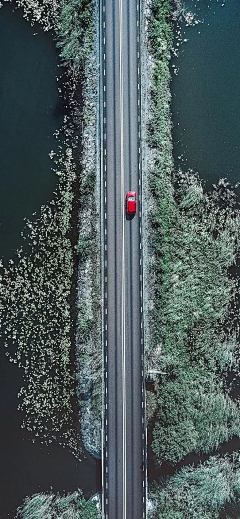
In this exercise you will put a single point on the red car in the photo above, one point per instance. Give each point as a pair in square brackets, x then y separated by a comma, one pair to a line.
[131, 202]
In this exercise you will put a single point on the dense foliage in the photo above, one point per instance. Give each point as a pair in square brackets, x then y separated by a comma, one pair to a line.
[75, 32]
[199, 242]
[50, 506]
[198, 493]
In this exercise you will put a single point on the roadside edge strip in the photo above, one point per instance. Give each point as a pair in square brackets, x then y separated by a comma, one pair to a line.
[103, 146]
[139, 7]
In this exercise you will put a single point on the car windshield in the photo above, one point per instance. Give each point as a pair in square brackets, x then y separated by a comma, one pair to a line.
[131, 198]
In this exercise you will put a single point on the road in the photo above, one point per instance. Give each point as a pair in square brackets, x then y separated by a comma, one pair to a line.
[123, 449]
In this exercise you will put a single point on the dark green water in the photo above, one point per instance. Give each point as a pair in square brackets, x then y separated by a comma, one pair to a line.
[30, 113]
[206, 92]
[28, 118]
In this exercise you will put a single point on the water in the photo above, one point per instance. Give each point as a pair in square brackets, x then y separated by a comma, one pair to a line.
[28, 119]
[30, 113]
[206, 92]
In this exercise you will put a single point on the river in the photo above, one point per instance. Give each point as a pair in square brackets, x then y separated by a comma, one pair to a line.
[30, 114]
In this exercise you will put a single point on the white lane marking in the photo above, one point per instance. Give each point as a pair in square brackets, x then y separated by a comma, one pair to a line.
[123, 266]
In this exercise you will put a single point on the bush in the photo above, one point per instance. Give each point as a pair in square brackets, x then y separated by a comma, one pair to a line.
[198, 493]
[49, 506]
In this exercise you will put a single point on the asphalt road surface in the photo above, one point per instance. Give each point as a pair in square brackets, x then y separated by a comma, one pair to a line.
[124, 467]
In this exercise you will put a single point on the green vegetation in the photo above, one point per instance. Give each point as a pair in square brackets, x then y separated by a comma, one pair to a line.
[72, 23]
[195, 242]
[50, 506]
[194, 322]
[198, 493]
[75, 32]
[199, 242]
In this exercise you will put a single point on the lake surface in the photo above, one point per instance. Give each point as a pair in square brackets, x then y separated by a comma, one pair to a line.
[29, 116]
[206, 91]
